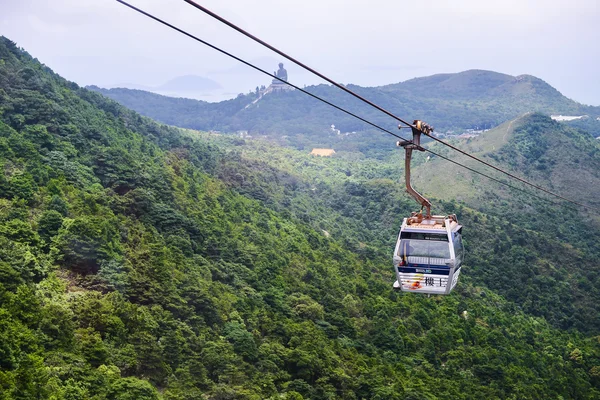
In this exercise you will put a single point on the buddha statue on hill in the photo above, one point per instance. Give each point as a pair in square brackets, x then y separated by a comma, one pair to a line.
[281, 73]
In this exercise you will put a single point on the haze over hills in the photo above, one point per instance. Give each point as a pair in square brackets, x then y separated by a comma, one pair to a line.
[213, 85]
[191, 86]
[470, 99]
[189, 83]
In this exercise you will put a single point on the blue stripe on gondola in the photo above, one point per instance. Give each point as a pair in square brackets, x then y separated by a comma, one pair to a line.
[428, 266]
[424, 270]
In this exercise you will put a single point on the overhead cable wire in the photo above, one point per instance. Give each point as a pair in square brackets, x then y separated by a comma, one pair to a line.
[306, 67]
[323, 100]
[342, 87]
[509, 174]
[256, 68]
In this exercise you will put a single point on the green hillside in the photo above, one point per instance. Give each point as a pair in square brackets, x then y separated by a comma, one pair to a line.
[538, 255]
[140, 261]
[470, 99]
[553, 155]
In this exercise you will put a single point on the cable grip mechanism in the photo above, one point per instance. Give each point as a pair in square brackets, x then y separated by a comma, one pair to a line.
[418, 127]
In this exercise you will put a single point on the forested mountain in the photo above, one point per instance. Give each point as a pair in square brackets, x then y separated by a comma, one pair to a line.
[553, 155]
[470, 99]
[140, 261]
[544, 253]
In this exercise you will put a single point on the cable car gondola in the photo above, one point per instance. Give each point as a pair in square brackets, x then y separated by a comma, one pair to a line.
[429, 250]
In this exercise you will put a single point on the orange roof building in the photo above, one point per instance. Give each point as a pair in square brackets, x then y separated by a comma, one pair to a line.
[323, 152]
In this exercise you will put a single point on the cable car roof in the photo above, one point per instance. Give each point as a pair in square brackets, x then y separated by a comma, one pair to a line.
[435, 223]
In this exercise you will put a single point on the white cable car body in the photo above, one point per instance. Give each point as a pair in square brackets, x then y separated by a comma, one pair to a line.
[429, 250]
[428, 255]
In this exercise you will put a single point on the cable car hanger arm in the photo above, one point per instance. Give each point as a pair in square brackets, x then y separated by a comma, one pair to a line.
[409, 146]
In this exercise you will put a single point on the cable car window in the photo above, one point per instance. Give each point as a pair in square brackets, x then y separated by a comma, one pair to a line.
[458, 248]
[441, 237]
[425, 248]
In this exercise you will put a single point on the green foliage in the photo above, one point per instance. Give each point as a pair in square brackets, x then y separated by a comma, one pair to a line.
[49, 224]
[131, 389]
[242, 340]
[83, 243]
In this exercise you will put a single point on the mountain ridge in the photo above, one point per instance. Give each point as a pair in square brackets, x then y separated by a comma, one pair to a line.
[473, 81]
[470, 99]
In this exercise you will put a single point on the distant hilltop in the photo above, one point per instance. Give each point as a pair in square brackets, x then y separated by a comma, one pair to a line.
[178, 86]
[474, 99]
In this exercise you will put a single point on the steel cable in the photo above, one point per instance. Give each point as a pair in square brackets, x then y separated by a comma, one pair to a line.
[342, 87]
[348, 112]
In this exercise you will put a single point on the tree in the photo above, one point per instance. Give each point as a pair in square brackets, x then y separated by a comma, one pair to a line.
[132, 389]
[49, 224]
[82, 243]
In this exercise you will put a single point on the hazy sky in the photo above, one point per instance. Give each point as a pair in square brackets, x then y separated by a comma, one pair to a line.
[368, 43]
